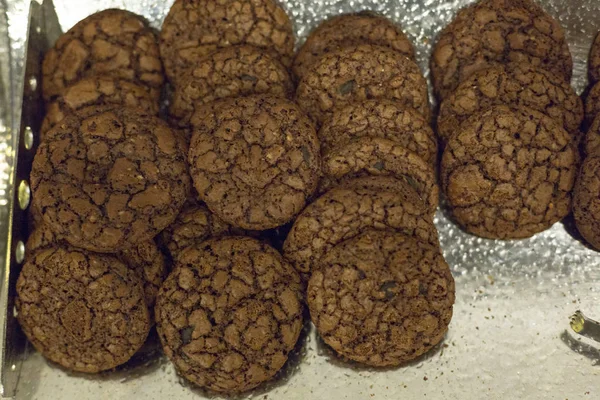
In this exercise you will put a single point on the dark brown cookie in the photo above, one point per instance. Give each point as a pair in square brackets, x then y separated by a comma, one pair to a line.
[586, 201]
[195, 28]
[358, 73]
[594, 61]
[592, 138]
[350, 29]
[114, 42]
[343, 213]
[508, 173]
[254, 160]
[516, 84]
[498, 31]
[110, 180]
[592, 104]
[145, 259]
[194, 224]
[382, 298]
[97, 91]
[229, 314]
[380, 118]
[372, 156]
[230, 72]
[82, 310]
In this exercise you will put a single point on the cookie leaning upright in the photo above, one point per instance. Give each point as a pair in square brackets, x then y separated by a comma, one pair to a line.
[110, 179]
[361, 72]
[382, 298]
[229, 314]
[195, 28]
[347, 30]
[508, 173]
[254, 160]
[586, 200]
[498, 31]
[111, 42]
[82, 310]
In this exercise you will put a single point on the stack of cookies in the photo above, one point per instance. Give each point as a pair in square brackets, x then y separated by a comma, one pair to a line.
[586, 198]
[508, 118]
[107, 177]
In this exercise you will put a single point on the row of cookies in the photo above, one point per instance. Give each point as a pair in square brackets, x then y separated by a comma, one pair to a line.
[508, 118]
[586, 198]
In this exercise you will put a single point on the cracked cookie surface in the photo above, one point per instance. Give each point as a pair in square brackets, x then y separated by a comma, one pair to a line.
[230, 313]
[195, 28]
[498, 31]
[97, 91]
[358, 73]
[586, 201]
[592, 104]
[254, 160]
[229, 72]
[343, 213]
[82, 310]
[382, 298]
[594, 60]
[518, 85]
[592, 138]
[110, 42]
[372, 156]
[380, 118]
[350, 29]
[509, 173]
[109, 180]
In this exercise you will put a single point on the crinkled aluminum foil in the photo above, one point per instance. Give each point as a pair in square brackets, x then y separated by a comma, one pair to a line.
[510, 336]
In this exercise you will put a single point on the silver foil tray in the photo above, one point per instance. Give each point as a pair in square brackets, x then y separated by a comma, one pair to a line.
[509, 338]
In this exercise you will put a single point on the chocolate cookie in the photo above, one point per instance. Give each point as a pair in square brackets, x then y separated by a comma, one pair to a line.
[592, 138]
[230, 72]
[508, 173]
[110, 180]
[370, 156]
[194, 224]
[592, 104]
[380, 118]
[229, 314]
[343, 213]
[498, 31]
[254, 160]
[97, 91]
[82, 310]
[358, 73]
[382, 298]
[115, 42]
[516, 84]
[145, 259]
[586, 201]
[195, 28]
[350, 29]
[594, 61]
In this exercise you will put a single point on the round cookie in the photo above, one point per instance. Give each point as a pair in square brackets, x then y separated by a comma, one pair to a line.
[508, 173]
[145, 258]
[518, 85]
[82, 310]
[343, 213]
[382, 298]
[110, 179]
[115, 42]
[229, 314]
[498, 31]
[380, 118]
[594, 60]
[370, 156]
[358, 73]
[97, 91]
[592, 138]
[254, 160]
[350, 29]
[592, 104]
[195, 28]
[586, 201]
[194, 224]
[229, 72]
